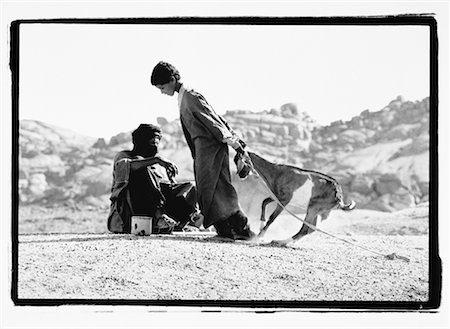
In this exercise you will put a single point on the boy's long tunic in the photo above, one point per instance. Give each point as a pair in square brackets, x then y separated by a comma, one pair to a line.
[205, 133]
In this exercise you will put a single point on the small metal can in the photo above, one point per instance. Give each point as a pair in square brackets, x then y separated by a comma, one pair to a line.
[141, 225]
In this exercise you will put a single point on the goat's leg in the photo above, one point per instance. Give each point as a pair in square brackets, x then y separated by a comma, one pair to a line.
[313, 222]
[272, 217]
[311, 218]
[263, 212]
[324, 215]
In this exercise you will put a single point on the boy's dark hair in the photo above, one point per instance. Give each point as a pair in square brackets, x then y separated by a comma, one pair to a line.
[162, 73]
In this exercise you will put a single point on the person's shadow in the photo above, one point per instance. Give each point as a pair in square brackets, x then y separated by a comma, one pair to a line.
[208, 237]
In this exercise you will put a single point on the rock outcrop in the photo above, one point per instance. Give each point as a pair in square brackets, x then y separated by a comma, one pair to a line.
[387, 149]
[380, 158]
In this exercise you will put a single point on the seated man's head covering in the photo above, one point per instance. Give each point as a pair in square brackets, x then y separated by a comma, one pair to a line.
[163, 72]
[145, 132]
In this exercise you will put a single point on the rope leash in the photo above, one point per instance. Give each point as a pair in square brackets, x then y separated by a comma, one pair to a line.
[273, 196]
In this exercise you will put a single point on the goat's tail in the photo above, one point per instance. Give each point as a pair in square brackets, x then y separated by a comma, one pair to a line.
[340, 198]
[348, 206]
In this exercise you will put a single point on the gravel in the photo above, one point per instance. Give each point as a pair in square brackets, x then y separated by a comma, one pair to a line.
[158, 267]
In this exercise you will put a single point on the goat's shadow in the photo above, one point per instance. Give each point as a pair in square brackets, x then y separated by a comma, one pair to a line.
[88, 237]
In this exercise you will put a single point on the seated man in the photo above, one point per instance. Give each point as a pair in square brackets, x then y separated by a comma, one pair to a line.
[137, 188]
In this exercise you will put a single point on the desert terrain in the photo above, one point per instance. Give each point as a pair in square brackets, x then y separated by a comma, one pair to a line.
[381, 159]
[69, 255]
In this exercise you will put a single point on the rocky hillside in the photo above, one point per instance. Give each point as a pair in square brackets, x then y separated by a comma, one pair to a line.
[381, 158]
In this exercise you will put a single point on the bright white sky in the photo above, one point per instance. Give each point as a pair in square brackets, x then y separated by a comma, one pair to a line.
[95, 79]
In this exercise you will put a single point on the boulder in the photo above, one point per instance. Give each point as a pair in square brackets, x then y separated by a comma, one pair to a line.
[100, 144]
[275, 112]
[99, 202]
[314, 147]
[387, 118]
[263, 127]
[381, 204]
[402, 199]
[373, 124]
[98, 188]
[161, 121]
[348, 148]
[289, 110]
[120, 139]
[268, 134]
[362, 200]
[37, 185]
[393, 202]
[351, 136]
[364, 113]
[362, 184]
[337, 123]
[280, 130]
[356, 122]
[387, 184]
[44, 163]
[295, 131]
[250, 134]
[395, 105]
[172, 128]
[402, 131]
[424, 188]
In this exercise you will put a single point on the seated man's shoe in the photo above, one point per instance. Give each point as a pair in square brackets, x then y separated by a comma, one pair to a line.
[190, 228]
[164, 224]
[194, 223]
[196, 219]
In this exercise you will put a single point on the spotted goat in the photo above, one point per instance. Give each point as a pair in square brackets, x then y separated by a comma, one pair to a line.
[325, 193]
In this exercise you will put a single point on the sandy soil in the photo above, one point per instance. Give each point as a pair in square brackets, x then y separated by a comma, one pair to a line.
[98, 265]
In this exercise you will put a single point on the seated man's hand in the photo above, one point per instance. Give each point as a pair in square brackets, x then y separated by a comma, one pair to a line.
[171, 168]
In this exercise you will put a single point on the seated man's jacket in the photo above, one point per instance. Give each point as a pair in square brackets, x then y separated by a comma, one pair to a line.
[119, 219]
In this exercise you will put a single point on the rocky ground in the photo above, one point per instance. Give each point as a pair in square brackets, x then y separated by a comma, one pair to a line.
[70, 255]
